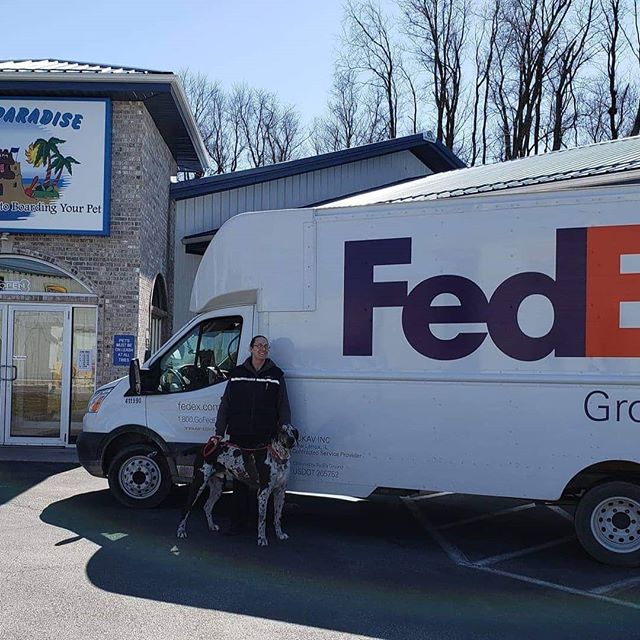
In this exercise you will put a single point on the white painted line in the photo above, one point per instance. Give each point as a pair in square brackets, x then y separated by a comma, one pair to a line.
[428, 496]
[522, 552]
[332, 496]
[455, 554]
[557, 587]
[560, 511]
[617, 586]
[460, 559]
[485, 516]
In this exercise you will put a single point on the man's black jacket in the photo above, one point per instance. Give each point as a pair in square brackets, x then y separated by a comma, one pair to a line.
[255, 403]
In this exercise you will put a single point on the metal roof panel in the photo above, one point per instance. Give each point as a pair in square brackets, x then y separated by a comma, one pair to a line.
[68, 66]
[612, 156]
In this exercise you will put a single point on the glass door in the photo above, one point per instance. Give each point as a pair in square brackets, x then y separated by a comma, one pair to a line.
[5, 370]
[36, 374]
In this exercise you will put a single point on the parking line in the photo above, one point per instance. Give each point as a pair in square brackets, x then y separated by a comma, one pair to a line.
[616, 586]
[455, 554]
[522, 552]
[558, 587]
[428, 496]
[560, 511]
[491, 514]
[458, 557]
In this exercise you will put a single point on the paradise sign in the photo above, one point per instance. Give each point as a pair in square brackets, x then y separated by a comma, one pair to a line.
[54, 165]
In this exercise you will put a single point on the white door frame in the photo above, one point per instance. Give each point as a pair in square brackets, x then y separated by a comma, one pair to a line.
[7, 371]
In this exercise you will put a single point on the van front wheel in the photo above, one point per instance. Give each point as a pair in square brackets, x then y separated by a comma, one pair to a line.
[607, 523]
[139, 476]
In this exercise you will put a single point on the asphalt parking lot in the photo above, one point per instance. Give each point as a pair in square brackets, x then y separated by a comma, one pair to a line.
[77, 565]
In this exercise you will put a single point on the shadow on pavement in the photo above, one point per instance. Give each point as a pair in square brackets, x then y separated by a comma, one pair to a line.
[18, 477]
[306, 580]
[355, 567]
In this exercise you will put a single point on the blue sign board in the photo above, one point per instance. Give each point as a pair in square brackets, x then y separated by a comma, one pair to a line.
[124, 350]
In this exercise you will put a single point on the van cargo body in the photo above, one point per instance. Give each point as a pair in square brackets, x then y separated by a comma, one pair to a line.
[482, 345]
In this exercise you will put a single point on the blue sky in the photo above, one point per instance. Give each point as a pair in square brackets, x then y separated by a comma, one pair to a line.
[286, 46]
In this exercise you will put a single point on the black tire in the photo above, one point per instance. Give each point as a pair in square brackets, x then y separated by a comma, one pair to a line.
[139, 476]
[607, 523]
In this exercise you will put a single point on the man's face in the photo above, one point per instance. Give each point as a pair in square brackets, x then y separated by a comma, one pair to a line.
[260, 350]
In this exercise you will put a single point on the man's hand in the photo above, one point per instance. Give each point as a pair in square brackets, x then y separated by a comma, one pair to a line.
[211, 445]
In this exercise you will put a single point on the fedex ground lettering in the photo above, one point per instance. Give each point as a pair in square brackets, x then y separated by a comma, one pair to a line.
[586, 294]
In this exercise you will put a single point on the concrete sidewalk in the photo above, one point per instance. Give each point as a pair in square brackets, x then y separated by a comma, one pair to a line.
[38, 454]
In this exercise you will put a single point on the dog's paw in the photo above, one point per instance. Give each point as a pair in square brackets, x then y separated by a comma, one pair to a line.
[282, 535]
[214, 527]
[181, 533]
[262, 542]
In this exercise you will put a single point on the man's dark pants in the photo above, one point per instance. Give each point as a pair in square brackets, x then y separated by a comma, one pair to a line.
[244, 500]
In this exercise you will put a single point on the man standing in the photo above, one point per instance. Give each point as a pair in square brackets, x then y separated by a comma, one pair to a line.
[253, 406]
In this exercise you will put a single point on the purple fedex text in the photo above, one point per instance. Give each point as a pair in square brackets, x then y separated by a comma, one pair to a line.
[567, 294]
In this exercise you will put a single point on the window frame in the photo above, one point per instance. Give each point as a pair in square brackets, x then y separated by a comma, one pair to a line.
[154, 373]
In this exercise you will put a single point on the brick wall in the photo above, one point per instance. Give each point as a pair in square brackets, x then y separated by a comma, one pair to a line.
[121, 267]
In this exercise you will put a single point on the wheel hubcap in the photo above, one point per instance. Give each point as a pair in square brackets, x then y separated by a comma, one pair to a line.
[140, 477]
[615, 524]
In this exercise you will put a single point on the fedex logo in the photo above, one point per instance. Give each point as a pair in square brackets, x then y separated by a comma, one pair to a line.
[595, 275]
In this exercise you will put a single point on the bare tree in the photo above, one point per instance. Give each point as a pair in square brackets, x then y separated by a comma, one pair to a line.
[354, 115]
[573, 49]
[342, 126]
[371, 50]
[613, 13]
[284, 136]
[271, 131]
[486, 29]
[611, 97]
[214, 117]
[438, 32]
[632, 35]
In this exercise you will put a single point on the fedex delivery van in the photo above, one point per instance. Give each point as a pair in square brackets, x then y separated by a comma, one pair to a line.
[482, 345]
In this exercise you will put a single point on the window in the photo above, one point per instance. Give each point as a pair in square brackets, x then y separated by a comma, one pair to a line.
[200, 359]
[83, 366]
[158, 316]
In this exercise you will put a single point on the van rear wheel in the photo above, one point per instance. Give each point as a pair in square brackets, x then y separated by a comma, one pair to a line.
[139, 476]
[607, 523]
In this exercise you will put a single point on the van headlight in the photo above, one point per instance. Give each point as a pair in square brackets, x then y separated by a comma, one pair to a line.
[97, 399]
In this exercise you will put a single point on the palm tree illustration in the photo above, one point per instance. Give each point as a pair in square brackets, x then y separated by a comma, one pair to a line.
[43, 151]
[59, 163]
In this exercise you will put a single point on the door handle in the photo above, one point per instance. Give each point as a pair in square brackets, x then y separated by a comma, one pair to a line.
[14, 375]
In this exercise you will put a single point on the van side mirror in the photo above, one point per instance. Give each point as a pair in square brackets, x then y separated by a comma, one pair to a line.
[135, 384]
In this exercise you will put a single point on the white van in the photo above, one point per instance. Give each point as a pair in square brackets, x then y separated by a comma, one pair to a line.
[483, 345]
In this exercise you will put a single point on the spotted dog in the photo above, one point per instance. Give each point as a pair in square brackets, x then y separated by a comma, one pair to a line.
[268, 475]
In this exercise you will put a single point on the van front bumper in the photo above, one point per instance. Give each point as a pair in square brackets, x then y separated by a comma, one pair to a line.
[89, 448]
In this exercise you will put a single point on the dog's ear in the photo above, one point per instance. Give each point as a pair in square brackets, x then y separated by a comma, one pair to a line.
[296, 435]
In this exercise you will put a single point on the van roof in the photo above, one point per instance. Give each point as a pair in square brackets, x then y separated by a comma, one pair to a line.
[600, 163]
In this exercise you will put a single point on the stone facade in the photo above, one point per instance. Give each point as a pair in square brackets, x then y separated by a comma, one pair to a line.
[120, 268]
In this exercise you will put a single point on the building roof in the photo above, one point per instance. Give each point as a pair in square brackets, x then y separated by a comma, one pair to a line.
[602, 159]
[433, 154]
[160, 91]
[67, 66]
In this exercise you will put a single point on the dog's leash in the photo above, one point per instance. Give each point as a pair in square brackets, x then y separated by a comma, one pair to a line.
[213, 443]
[268, 447]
